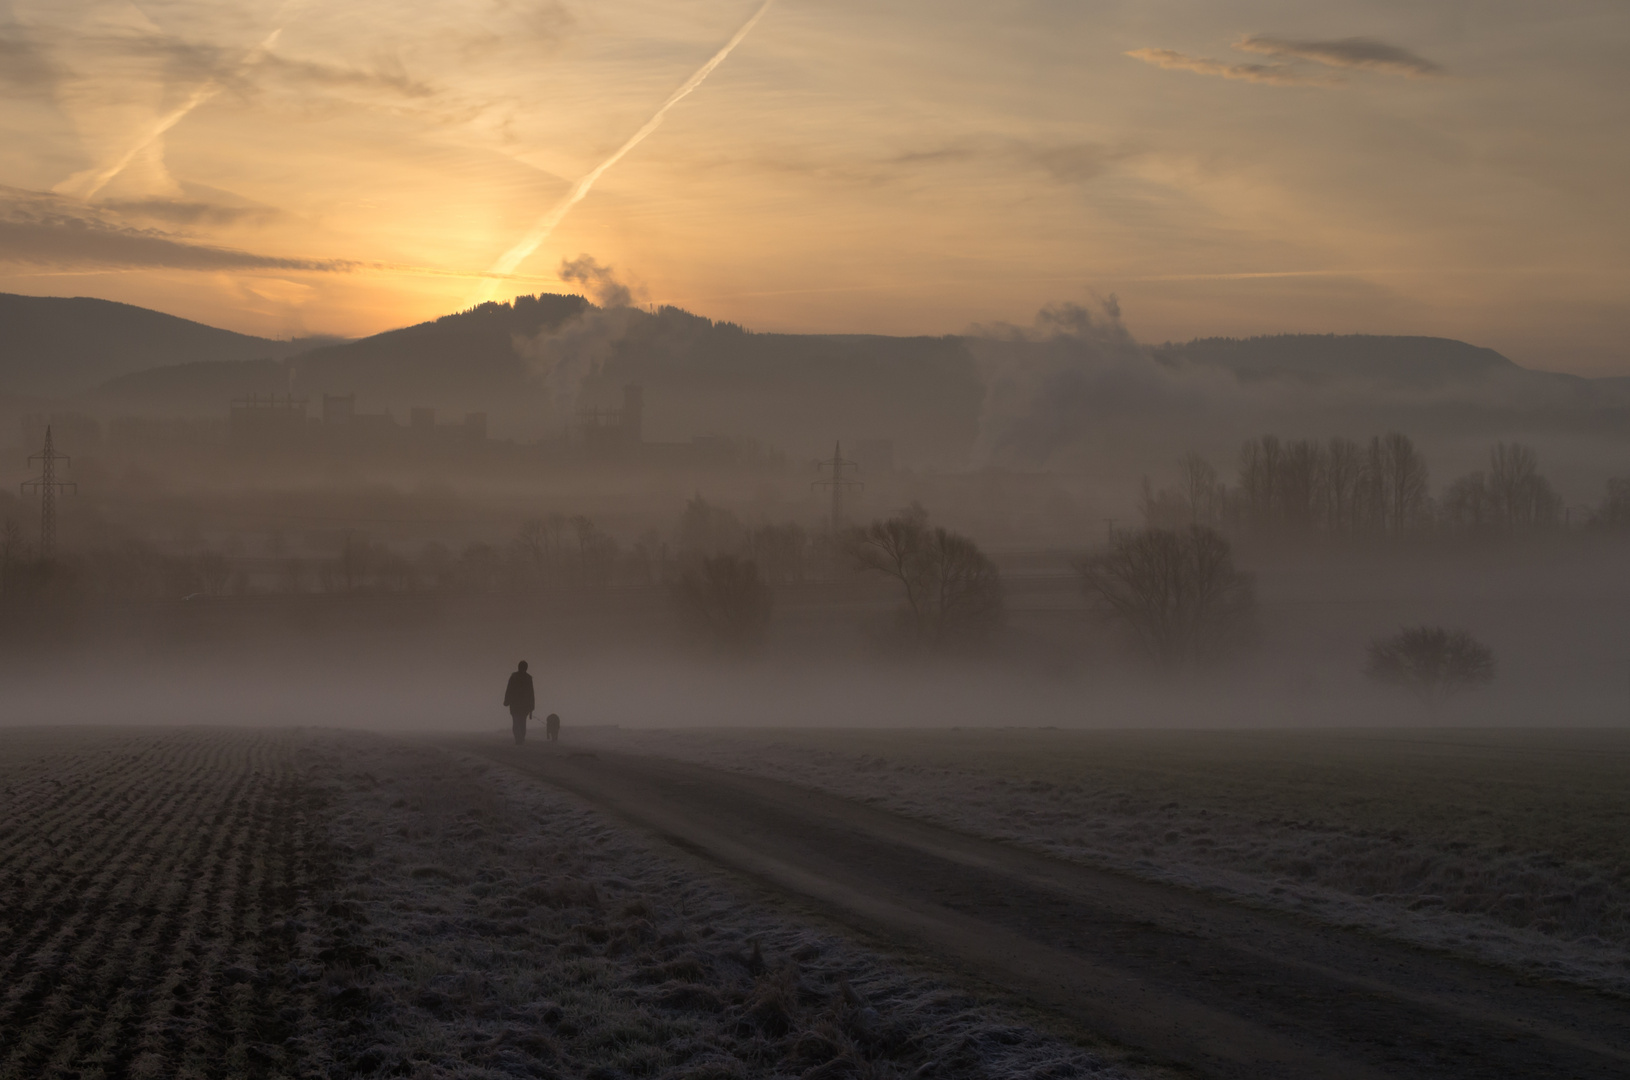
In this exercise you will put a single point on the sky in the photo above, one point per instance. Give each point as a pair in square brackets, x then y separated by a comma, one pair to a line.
[287, 167]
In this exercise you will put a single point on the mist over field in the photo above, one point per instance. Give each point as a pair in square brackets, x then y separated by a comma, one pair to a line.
[368, 533]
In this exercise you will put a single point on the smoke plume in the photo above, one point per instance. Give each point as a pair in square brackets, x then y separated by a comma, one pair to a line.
[602, 283]
[565, 359]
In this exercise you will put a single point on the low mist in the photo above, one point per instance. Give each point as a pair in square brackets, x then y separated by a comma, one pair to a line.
[679, 522]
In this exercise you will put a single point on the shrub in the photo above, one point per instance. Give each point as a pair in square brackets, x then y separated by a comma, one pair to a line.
[1431, 662]
[725, 599]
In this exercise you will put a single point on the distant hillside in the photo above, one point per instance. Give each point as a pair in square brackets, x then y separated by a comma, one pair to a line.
[795, 392]
[57, 346]
[1323, 358]
[946, 401]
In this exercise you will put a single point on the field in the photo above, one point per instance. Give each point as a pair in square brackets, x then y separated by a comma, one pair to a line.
[158, 893]
[205, 903]
[1508, 846]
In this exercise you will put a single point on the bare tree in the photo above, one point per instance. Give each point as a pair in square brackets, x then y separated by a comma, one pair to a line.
[596, 552]
[1614, 511]
[1201, 489]
[1176, 592]
[1431, 662]
[953, 592]
[1467, 504]
[1404, 481]
[1259, 464]
[725, 599]
[1301, 470]
[1343, 462]
[1520, 496]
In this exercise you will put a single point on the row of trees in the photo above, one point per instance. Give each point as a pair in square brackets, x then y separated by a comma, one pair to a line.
[1378, 488]
[553, 551]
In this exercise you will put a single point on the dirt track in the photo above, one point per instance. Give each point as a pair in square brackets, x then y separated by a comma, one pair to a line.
[1224, 990]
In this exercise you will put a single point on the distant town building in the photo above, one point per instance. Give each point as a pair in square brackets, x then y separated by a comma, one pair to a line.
[264, 421]
[614, 433]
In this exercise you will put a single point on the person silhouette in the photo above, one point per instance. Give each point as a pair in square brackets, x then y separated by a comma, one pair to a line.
[551, 727]
[518, 698]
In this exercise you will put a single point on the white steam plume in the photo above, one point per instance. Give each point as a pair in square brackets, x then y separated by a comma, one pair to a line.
[547, 223]
[85, 185]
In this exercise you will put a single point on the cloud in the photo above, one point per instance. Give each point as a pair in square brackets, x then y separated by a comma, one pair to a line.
[25, 68]
[1069, 163]
[38, 230]
[1354, 52]
[388, 75]
[190, 212]
[1272, 74]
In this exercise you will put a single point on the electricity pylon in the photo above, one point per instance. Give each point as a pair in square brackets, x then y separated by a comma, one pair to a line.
[48, 485]
[839, 475]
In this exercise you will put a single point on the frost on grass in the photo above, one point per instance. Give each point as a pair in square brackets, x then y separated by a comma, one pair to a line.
[507, 930]
[1509, 848]
[157, 896]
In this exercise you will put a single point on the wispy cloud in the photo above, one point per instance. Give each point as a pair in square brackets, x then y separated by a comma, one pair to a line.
[1066, 162]
[1272, 74]
[25, 68]
[186, 212]
[38, 230]
[1353, 52]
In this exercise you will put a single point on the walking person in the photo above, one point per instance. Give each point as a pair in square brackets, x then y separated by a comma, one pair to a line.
[519, 700]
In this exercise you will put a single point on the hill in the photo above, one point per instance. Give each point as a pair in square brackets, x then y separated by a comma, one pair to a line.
[1025, 400]
[531, 363]
[1418, 362]
[59, 346]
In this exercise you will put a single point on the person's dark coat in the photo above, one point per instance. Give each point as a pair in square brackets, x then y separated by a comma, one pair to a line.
[518, 694]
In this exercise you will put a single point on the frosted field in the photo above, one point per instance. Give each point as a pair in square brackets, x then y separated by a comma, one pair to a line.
[1507, 846]
[203, 903]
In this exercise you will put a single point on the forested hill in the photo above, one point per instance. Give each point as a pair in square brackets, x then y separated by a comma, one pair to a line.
[59, 346]
[1401, 362]
[531, 363]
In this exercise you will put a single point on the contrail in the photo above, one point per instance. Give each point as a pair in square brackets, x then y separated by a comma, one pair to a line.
[547, 223]
[85, 185]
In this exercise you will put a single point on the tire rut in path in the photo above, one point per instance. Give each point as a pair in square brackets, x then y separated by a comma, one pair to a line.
[1224, 990]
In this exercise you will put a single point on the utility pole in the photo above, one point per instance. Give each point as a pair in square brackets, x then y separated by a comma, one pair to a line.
[839, 475]
[48, 485]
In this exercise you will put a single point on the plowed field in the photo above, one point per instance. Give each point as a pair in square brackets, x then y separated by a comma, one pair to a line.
[153, 906]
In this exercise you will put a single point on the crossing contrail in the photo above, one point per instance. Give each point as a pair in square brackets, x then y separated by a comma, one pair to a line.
[547, 223]
[85, 185]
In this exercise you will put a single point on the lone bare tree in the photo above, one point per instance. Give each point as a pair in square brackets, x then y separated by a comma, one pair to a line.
[1431, 662]
[726, 599]
[953, 592]
[1175, 591]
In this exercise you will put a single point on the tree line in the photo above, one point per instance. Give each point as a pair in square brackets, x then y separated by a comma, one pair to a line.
[1379, 488]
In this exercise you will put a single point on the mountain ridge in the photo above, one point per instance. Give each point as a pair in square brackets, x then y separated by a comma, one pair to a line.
[58, 346]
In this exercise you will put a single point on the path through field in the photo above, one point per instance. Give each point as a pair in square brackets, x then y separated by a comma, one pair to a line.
[1224, 989]
[254, 905]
